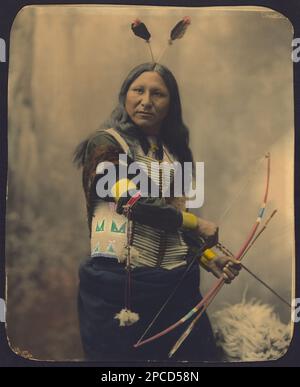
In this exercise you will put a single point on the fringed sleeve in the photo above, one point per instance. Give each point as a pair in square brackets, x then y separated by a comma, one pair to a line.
[102, 147]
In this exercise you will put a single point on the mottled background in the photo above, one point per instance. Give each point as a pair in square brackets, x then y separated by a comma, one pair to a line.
[66, 66]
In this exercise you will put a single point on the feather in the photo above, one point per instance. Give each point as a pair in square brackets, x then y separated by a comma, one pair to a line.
[179, 30]
[140, 30]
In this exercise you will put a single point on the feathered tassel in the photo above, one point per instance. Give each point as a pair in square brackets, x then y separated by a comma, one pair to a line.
[139, 29]
[179, 30]
[127, 317]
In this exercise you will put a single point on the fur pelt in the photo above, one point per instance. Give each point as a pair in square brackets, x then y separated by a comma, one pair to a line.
[250, 331]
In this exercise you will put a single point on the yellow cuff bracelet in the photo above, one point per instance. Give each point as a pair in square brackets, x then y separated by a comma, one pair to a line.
[189, 220]
[121, 187]
[209, 255]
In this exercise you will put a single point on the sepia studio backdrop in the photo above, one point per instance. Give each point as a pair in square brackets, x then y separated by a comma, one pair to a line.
[67, 64]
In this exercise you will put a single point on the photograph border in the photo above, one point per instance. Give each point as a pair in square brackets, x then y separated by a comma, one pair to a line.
[8, 11]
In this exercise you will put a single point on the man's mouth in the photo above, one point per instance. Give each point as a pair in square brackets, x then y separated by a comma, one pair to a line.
[144, 114]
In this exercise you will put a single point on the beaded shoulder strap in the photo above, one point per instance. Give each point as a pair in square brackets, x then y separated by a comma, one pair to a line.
[119, 139]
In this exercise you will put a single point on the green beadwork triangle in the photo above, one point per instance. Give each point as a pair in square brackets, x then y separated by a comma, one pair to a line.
[114, 228]
[100, 228]
[110, 249]
[97, 248]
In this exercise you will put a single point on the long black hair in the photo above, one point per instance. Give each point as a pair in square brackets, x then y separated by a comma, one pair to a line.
[174, 133]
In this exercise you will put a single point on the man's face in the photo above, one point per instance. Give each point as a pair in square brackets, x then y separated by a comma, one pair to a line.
[147, 102]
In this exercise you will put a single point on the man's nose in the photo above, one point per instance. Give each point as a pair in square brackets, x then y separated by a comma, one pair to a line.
[146, 99]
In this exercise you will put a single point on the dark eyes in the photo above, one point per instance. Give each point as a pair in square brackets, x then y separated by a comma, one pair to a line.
[140, 90]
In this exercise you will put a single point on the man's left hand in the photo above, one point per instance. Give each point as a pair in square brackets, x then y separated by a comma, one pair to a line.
[224, 266]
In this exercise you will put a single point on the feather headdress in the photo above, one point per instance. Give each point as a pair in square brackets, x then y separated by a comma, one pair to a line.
[140, 30]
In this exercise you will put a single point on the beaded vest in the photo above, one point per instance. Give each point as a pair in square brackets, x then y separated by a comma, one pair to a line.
[152, 247]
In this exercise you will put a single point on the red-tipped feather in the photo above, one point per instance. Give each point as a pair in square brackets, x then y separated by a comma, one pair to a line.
[139, 29]
[179, 30]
